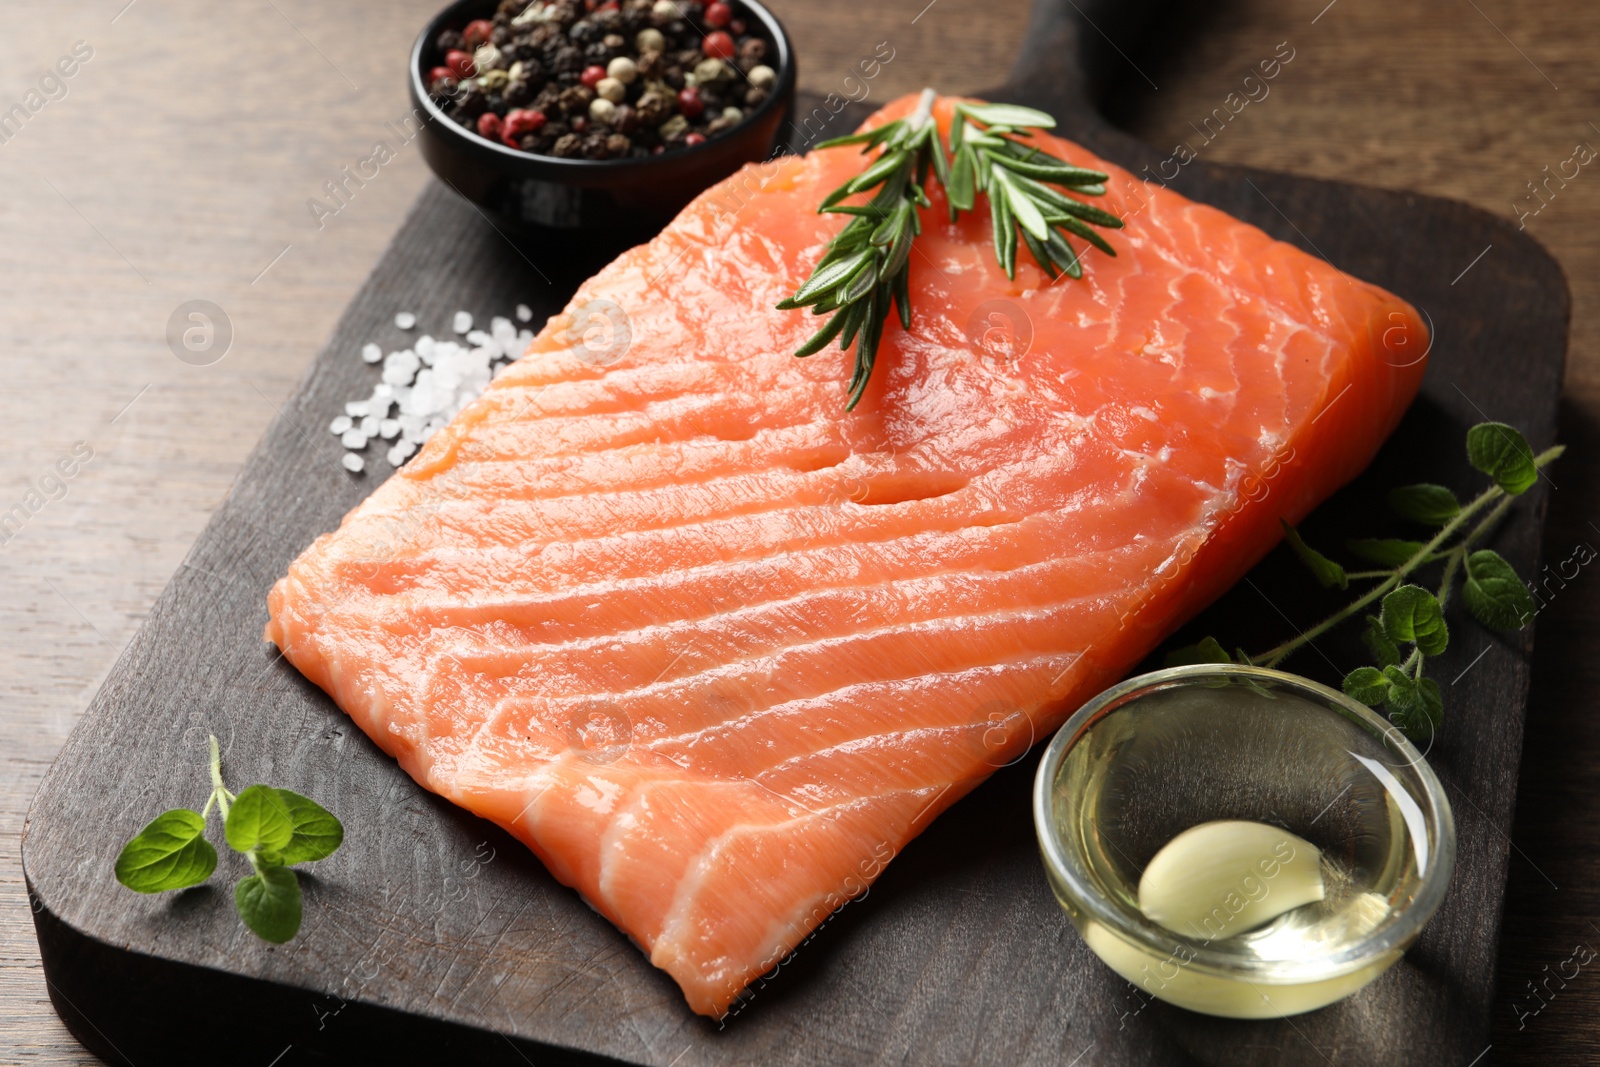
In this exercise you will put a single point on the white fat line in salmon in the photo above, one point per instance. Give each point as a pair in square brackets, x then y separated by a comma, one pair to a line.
[1253, 488]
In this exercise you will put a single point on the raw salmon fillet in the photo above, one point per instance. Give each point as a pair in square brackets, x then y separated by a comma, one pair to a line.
[716, 649]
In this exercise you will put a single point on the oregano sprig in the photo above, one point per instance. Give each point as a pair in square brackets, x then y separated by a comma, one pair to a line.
[272, 828]
[864, 275]
[1409, 627]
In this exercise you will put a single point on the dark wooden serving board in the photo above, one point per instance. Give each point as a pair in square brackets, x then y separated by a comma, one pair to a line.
[434, 937]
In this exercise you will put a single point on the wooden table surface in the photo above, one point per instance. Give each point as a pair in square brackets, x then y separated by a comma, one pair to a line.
[176, 163]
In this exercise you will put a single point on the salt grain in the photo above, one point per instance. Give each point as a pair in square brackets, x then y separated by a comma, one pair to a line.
[353, 463]
[427, 384]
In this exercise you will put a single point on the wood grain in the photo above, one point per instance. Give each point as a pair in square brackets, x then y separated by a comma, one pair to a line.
[174, 149]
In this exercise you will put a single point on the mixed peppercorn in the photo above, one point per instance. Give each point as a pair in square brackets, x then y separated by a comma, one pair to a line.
[585, 79]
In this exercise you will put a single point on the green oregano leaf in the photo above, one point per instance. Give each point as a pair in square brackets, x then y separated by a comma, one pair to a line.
[1494, 594]
[1414, 705]
[1433, 505]
[316, 834]
[170, 853]
[1502, 453]
[269, 903]
[1208, 650]
[1367, 684]
[1412, 614]
[1328, 574]
[259, 821]
[1378, 643]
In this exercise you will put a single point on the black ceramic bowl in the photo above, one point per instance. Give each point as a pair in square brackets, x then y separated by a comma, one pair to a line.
[536, 194]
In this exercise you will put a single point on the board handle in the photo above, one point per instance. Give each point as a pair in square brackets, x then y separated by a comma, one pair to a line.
[1072, 49]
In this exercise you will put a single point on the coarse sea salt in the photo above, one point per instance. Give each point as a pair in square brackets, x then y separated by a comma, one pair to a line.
[426, 384]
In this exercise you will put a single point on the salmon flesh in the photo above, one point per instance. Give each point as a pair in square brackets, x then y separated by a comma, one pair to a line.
[716, 649]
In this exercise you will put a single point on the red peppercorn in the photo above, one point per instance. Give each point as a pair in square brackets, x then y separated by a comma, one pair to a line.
[737, 27]
[490, 126]
[438, 74]
[718, 14]
[658, 149]
[580, 124]
[477, 32]
[460, 63]
[519, 121]
[694, 139]
[718, 45]
[690, 105]
[592, 75]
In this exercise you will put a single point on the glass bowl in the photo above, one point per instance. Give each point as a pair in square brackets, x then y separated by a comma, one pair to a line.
[1167, 751]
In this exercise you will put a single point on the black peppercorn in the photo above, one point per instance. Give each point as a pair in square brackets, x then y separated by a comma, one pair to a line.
[617, 145]
[593, 146]
[566, 146]
[575, 99]
[752, 51]
[448, 40]
[567, 60]
[584, 31]
[547, 99]
[673, 76]
[626, 120]
[471, 101]
[518, 93]
[500, 35]
[654, 109]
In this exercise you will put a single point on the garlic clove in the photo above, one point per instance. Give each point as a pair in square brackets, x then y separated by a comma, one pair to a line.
[1224, 878]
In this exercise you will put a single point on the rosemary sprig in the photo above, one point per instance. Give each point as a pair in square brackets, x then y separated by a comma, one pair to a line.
[864, 275]
[988, 157]
[865, 268]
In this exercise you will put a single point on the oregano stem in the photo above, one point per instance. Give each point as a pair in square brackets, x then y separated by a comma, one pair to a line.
[1272, 657]
[219, 792]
